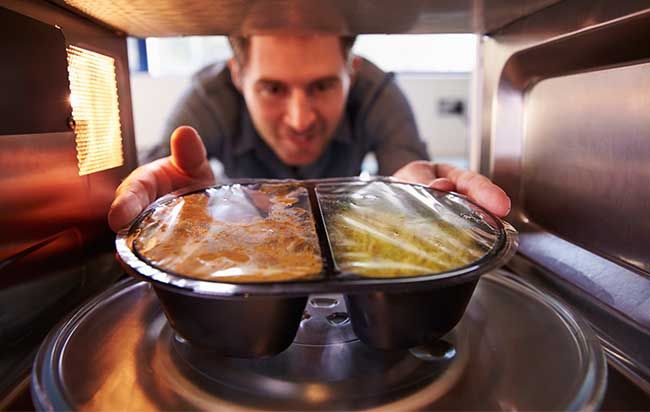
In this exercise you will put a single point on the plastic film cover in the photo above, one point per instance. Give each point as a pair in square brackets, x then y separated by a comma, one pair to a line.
[383, 230]
[236, 233]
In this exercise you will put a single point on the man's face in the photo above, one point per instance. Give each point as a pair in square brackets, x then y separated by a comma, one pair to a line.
[295, 88]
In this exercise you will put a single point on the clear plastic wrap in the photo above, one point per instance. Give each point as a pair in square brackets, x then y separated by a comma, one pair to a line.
[237, 233]
[244, 256]
[387, 230]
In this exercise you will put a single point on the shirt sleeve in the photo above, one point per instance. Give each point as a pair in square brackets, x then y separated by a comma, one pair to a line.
[392, 129]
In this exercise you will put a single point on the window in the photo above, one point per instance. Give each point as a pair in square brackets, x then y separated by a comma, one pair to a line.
[413, 53]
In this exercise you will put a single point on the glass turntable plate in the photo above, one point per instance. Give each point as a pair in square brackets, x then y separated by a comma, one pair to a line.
[514, 349]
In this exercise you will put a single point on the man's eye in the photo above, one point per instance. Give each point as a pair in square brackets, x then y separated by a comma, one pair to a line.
[273, 89]
[323, 86]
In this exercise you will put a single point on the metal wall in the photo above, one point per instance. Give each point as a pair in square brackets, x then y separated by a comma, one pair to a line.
[55, 245]
[144, 18]
[566, 133]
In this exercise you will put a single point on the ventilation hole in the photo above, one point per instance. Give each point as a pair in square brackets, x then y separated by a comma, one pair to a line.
[323, 302]
[338, 318]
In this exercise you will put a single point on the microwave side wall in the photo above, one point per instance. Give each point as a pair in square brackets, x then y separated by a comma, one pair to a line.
[565, 131]
[55, 244]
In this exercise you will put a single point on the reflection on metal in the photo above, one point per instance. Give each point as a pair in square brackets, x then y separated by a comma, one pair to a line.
[40, 189]
[578, 139]
[565, 101]
[30, 250]
[593, 144]
[95, 110]
[138, 363]
[55, 244]
[144, 18]
[33, 77]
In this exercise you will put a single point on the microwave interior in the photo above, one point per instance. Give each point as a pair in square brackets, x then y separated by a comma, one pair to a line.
[557, 116]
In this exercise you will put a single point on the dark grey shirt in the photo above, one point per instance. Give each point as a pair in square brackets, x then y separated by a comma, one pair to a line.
[377, 119]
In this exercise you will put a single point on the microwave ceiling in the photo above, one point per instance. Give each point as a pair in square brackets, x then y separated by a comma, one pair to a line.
[164, 18]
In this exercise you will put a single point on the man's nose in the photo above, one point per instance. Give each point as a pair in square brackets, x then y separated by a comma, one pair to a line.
[300, 114]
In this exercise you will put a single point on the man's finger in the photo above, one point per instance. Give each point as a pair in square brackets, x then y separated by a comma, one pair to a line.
[418, 171]
[443, 184]
[123, 210]
[188, 165]
[477, 187]
[188, 153]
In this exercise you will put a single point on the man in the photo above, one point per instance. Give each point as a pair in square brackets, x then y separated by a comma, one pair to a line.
[293, 106]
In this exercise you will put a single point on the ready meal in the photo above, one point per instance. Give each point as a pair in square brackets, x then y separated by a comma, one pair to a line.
[238, 233]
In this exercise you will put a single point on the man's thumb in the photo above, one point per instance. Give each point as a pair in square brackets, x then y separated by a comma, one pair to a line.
[188, 153]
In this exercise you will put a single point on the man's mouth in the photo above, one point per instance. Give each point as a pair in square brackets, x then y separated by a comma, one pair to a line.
[301, 138]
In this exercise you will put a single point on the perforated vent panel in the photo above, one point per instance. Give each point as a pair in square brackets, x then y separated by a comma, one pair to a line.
[146, 18]
[95, 110]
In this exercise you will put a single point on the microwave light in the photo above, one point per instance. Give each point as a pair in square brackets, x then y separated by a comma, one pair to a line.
[95, 110]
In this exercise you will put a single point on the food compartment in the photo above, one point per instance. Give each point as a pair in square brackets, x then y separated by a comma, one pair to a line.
[233, 233]
[390, 230]
[404, 320]
[240, 233]
[241, 327]
[428, 248]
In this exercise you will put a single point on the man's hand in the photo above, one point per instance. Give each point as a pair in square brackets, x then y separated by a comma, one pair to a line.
[187, 165]
[448, 178]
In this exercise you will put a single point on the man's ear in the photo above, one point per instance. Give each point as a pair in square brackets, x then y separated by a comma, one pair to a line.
[235, 72]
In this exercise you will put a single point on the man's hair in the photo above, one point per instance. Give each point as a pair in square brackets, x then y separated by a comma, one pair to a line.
[240, 45]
